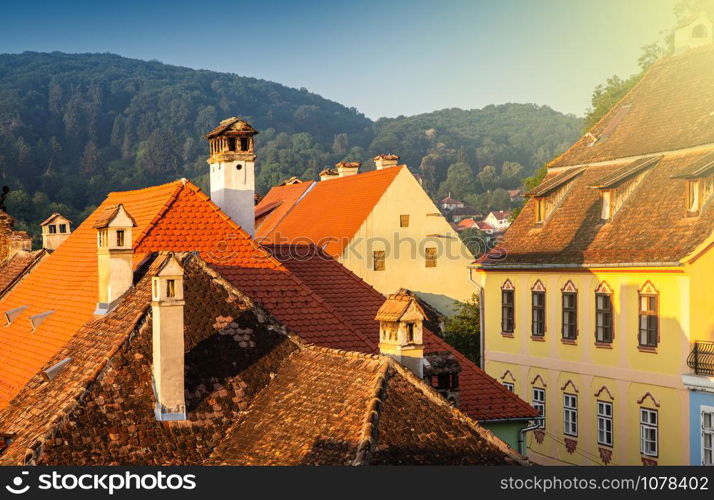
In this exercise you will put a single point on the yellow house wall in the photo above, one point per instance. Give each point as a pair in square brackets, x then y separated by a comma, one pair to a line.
[628, 373]
[702, 298]
[404, 247]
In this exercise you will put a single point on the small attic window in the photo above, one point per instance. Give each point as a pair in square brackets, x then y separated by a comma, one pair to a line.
[244, 144]
[693, 196]
[539, 210]
[63, 228]
[120, 237]
[699, 31]
[52, 229]
[50, 373]
[13, 314]
[606, 211]
[410, 332]
[38, 319]
[231, 144]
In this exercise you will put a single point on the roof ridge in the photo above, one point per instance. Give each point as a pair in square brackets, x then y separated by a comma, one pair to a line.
[374, 412]
[148, 188]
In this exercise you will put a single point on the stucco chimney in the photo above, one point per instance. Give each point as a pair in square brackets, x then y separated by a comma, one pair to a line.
[329, 173]
[232, 171]
[55, 230]
[167, 310]
[384, 161]
[347, 168]
[114, 256]
[401, 332]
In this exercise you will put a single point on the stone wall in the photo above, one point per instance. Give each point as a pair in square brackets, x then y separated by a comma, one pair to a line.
[6, 226]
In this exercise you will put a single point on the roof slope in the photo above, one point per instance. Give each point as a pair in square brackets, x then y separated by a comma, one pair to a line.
[386, 417]
[332, 211]
[481, 397]
[99, 408]
[14, 268]
[65, 283]
[282, 199]
[639, 232]
[669, 109]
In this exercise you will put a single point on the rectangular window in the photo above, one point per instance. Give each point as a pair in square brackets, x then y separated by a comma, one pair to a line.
[170, 288]
[648, 432]
[606, 211]
[538, 311]
[244, 144]
[507, 310]
[403, 221]
[509, 386]
[120, 237]
[378, 259]
[539, 403]
[604, 423]
[63, 228]
[693, 196]
[52, 228]
[603, 318]
[707, 435]
[570, 315]
[539, 210]
[649, 320]
[430, 257]
[231, 144]
[570, 414]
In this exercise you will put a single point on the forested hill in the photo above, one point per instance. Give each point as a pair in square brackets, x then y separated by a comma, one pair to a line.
[76, 126]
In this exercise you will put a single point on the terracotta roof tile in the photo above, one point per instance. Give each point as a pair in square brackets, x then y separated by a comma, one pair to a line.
[332, 212]
[15, 268]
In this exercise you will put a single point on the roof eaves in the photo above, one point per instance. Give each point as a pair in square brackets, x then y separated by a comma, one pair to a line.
[620, 175]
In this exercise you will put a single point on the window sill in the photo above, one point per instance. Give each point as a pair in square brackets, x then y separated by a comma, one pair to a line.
[538, 338]
[508, 335]
[603, 345]
[651, 350]
[567, 341]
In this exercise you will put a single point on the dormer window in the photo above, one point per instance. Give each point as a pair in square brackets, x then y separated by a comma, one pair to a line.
[693, 196]
[103, 237]
[410, 332]
[63, 228]
[606, 211]
[52, 228]
[120, 237]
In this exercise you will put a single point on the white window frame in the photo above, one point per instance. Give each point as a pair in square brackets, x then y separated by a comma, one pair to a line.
[570, 414]
[510, 386]
[707, 410]
[605, 423]
[538, 402]
[649, 423]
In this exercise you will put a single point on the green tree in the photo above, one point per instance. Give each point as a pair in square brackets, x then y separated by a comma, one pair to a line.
[475, 240]
[459, 181]
[463, 331]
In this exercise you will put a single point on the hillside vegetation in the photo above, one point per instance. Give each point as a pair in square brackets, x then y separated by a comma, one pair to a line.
[75, 126]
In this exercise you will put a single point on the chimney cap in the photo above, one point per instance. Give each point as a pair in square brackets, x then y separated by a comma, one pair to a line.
[348, 164]
[328, 171]
[232, 125]
[110, 214]
[386, 157]
[170, 266]
[397, 304]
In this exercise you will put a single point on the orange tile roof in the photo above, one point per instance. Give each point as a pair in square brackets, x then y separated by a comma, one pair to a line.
[670, 108]
[276, 205]
[66, 283]
[332, 212]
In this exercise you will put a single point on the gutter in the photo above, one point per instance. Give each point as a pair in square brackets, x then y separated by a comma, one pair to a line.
[496, 267]
[522, 434]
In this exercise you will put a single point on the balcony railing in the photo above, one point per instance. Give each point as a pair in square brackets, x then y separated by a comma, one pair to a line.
[701, 359]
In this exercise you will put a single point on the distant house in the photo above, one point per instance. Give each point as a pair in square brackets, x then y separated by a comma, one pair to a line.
[461, 213]
[450, 203]
[516, 195]
[499, 219]
[484, 227]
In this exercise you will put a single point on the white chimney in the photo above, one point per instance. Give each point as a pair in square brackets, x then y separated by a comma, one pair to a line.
[401, 332]
[232, 171]
[347, 168]
[329, 173]
[55, 230]
[167, 309]
[115, 254]
[384, 161]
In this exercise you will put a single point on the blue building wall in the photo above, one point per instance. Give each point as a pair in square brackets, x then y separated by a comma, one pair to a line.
[697, 399]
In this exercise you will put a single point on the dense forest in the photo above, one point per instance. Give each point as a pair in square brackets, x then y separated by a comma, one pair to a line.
[76, 126]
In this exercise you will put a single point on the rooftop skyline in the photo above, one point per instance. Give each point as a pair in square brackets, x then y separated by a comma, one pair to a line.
[402, 58]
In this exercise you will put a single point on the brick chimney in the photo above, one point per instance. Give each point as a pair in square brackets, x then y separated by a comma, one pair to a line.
[167, 310]
[400, 330]
[114, 256]
[18, 241]
[55, 230]
[385, 161]
[347, 168]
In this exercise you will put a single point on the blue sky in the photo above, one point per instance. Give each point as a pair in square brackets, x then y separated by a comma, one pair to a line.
[385, 58]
